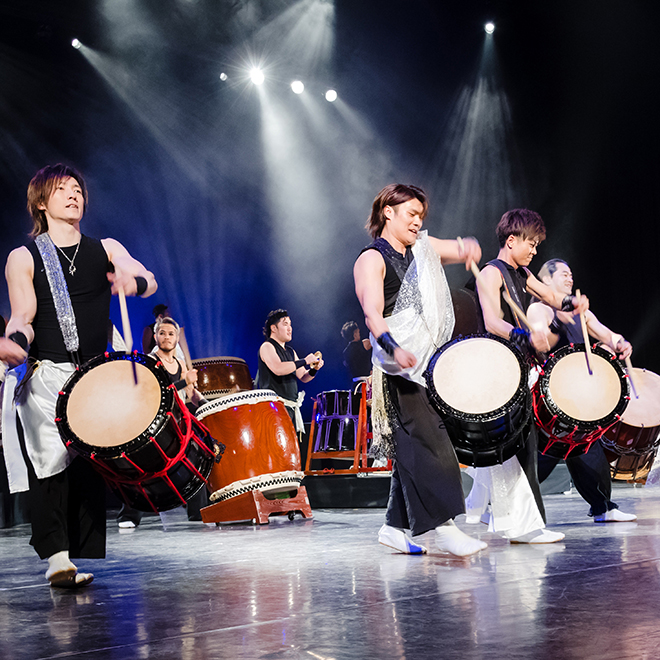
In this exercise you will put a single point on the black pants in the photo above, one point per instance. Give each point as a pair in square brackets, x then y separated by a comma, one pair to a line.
[426, 488]
[591, 475]
[67, 510]
[527, 457]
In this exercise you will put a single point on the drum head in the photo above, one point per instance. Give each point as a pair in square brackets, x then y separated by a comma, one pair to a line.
[106, 408]
[583, 396]
[645, 410]
[477, 375]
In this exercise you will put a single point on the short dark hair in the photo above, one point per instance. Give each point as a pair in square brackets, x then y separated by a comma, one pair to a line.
[274, 318]
[41, 188]
[159, 309]
[348, 330]
[520, 222]
[549, 268]
[393, 195]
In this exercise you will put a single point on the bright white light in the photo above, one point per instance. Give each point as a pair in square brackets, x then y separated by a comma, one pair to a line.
[223, 76]
[76, 44]
[331, 95]
[490, 28]
[297, 87]
[257, 76]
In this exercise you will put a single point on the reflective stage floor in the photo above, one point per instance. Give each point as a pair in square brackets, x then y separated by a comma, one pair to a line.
[324, 588]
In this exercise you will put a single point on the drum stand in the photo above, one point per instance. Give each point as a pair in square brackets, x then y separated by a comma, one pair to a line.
[358, 455]
[253, 505]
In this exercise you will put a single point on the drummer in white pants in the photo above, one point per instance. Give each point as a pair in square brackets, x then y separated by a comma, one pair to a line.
[512, 488]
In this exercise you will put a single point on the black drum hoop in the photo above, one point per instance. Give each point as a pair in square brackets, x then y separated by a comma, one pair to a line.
[571, 422]
[160, 420]
[522, 390]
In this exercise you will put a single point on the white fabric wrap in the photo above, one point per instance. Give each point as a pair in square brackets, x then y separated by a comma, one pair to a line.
[300, 424]
[423, 317]
[43, 443]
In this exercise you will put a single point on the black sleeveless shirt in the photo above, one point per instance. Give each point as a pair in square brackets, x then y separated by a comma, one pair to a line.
[518, 276]
[396, 265]
[89, 290]
[284, 386]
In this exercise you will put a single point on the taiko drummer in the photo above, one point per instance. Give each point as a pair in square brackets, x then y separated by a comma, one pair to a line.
[60, 287]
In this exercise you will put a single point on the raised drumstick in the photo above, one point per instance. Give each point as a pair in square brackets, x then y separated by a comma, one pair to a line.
[585, 334]
[629, 368]
[183, 342]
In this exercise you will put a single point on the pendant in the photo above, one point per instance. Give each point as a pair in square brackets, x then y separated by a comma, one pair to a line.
[72, 269]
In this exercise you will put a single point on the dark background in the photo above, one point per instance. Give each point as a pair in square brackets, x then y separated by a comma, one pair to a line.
[243, 199]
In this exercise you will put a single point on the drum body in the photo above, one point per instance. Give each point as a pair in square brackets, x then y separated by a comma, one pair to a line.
[262, 450]
[478, 384]
[632, 443]
[336, 423]
[217, 376]
[140, 437]
[574, 408]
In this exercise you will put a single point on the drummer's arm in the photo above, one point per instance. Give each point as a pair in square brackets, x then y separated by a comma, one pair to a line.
[603, 334]
[369, 275]
[129, 272]
[554, 298]
[308, 375]
[23, 299]
[457, 252]
[488, 290]
[272, 360]
[540, 315]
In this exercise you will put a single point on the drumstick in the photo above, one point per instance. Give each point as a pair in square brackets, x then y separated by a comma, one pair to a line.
[629, 367]
[183, 342]
[585, 334]
[126, 326]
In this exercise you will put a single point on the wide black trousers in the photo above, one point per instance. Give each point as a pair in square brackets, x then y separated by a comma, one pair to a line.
[426, 488]
[67, 510]
[590, 473]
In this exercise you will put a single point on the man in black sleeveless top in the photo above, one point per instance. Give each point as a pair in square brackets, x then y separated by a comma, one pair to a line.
[519, 231]
[60, 288]
[426, 491]
[279, 366]
[357, 354]
[590, 471]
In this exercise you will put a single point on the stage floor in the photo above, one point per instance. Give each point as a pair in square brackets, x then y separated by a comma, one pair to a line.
[325, 589]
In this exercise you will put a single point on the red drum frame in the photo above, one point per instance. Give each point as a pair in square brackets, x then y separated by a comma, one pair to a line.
[488, 437]
[562, 435]
[162, 466]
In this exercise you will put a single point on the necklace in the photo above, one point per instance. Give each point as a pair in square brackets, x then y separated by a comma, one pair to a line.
[72, 268]
[162, 357]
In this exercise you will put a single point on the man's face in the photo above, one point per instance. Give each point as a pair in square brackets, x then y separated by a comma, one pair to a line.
[522, 249]
[166, 337]
[405, 220]
[66, 202]
[282, 330]
[562, 279]
[356, 334]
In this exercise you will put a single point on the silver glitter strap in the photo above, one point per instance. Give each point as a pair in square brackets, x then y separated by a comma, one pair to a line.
[59, 291]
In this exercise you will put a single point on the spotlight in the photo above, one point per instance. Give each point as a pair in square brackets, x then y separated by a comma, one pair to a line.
[223, 76]
[257, 76]
[331, 95]
[490, 28]
[76, 44]
[297, 87]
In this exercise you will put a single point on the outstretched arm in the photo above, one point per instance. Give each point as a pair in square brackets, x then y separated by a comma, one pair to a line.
[269, 355]
[464, 251]
[127, 269]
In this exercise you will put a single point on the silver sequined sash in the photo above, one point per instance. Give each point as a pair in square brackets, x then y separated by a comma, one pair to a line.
[59, 291]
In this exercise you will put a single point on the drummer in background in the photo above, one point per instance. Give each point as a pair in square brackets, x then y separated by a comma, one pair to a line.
[149, 334]
[280, 369]
[357, 354]
[590, 471]
[67, 496]
[519, 232]
[426, 492]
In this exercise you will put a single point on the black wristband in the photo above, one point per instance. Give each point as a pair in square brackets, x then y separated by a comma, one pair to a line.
[300, 363]
[141, 283]
[557, 326]
[180, 384]
[567, 304]
[387, 343]
[20, 339]
[312, 371]
[520, 339]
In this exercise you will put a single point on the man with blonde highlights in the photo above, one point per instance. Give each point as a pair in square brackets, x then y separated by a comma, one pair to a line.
[60, 286]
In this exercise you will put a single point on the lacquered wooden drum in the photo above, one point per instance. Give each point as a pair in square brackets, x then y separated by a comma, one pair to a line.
[218, 376]
[572, 407]
[262, 450]
[631, 445]
[139, 436]
[478, 384]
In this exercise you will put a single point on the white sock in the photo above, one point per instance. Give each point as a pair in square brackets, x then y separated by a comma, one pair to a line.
[59, 562]
[451, 539]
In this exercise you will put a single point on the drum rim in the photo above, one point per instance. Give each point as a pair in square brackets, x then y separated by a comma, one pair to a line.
[542, 386]
[232, 400]
[520, 394]
[166, 394]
